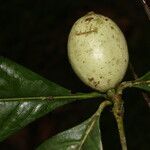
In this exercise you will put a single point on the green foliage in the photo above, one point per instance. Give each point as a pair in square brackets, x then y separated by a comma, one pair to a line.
[143, 82]
[85, 136]
[25, 96]
[19, 82]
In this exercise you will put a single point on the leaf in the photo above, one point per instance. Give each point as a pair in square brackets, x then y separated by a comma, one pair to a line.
[85, 136]
[17, 81]
[146, 76]
[143, 82]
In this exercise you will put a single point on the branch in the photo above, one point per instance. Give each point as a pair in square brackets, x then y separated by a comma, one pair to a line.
[146, 96]
[118, 112]
[146, 7]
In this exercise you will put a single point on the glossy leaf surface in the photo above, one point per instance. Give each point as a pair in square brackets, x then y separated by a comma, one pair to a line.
[19, 82]
[85, 136]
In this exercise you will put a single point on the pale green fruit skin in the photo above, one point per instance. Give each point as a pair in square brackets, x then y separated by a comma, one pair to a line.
[97, 51]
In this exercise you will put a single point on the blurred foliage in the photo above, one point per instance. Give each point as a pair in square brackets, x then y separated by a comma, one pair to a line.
[34, 34]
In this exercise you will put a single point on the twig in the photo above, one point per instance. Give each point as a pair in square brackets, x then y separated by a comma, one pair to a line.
[146, 7]
[118, 112]
[146, 97]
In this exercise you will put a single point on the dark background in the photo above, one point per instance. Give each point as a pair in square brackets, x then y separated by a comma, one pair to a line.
[34, 34]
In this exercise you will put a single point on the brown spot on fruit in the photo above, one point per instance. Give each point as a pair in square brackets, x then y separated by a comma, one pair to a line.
[88, 19]
[96, 83]
[87, 32]
[112, 27]
[91, 79]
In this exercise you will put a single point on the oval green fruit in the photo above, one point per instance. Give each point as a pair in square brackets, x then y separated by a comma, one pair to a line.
[97, 51]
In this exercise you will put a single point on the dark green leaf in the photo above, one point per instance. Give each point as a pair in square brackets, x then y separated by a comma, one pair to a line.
[17, 81]
[143, 82]
[85, 136]
[146, 76]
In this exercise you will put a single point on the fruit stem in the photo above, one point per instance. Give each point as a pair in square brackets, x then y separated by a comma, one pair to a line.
[118, 111]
